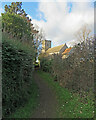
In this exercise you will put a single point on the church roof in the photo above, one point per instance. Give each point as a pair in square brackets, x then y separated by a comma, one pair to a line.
[66, 51]
[55, 49]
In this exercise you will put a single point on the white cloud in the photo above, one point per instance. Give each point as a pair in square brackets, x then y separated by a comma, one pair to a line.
[1, 11]
[61, 25]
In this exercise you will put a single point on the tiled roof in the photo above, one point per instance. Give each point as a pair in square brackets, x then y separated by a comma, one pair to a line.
[66, 51]
[55, 49]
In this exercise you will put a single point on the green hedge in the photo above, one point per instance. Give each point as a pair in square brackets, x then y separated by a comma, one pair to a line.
[46, 64]
[75, 72]
[17, 63]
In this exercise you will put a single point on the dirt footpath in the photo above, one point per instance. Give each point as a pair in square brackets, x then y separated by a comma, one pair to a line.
[47, 101]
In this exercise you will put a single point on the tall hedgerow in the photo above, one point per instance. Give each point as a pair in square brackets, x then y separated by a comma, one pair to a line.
[19, 52]
[75, 72]
[17, 67]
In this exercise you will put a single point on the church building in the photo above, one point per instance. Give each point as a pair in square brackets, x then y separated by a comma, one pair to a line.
[46, 48]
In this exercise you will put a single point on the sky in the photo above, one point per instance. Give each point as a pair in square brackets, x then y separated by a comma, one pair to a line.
[60, 21]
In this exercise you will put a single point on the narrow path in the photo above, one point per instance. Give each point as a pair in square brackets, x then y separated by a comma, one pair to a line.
[47, 101]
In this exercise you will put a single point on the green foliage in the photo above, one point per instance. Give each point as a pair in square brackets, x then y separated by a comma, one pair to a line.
[16, 25]
[17, 63]
[45, 64]
[70, 105]
[18, 55]
[15, 8]
[36, 65]
[75, 72]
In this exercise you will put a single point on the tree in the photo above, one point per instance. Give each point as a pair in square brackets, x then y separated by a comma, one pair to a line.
[16, 22]
[15, 8]
[38, 39]
[83, 34]
[16, 26]
[86, 44]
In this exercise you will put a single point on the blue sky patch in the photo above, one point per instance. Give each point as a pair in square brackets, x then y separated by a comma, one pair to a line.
[31, 8]
[69, 4]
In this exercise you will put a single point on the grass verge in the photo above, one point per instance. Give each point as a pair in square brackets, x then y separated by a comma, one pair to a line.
[70, 105]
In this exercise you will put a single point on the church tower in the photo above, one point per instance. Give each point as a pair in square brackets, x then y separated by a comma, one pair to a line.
[46, 44]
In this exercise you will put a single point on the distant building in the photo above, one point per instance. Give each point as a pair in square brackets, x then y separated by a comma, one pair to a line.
[46, 48]
[66, 53]
[46, 44]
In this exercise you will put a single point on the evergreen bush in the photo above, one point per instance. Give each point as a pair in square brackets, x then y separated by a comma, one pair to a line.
[17, 67]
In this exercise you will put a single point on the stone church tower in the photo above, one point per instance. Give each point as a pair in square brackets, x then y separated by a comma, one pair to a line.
[46, 44]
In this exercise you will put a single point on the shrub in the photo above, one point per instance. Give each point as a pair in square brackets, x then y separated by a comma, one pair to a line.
[46, 64]
[75, 72]
[17, 63]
